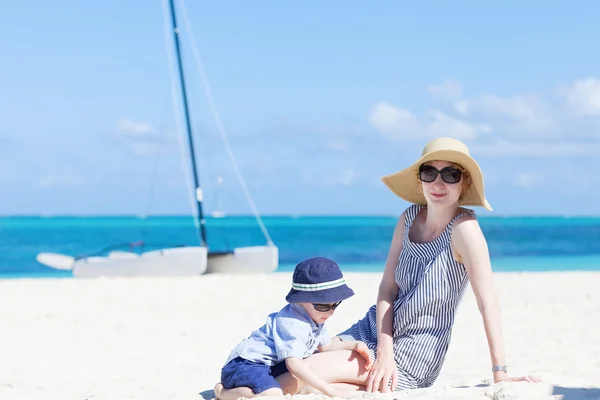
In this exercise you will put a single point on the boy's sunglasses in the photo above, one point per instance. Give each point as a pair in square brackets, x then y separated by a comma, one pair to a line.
[428, 173]
[325, 307]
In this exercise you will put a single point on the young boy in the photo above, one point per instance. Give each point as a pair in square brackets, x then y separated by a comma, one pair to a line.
[289, 336]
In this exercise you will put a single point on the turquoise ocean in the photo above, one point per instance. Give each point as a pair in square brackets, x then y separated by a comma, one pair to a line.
[357, 243]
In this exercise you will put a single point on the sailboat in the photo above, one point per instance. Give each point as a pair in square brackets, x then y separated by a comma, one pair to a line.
[177, 260]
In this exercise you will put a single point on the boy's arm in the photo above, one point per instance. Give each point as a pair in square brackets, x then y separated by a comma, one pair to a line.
[358, 346]
[301, 371]
[338, 344]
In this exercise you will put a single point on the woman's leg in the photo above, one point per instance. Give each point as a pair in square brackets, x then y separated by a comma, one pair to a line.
[339, 366]
[350, 387]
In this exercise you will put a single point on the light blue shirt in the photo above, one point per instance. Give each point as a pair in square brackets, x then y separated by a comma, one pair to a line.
[291, 332]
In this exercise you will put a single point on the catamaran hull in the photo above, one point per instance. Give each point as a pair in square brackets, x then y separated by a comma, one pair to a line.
[243, 260]
[180, 261]
[184, 261]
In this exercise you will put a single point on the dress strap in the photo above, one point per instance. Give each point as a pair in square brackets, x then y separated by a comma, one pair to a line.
[465, 211]
[411, 214]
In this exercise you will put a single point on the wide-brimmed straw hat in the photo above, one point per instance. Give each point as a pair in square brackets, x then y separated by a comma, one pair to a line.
[406, 185]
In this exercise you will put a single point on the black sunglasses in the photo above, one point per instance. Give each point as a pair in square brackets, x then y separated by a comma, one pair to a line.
[428, 173]
[326, 307]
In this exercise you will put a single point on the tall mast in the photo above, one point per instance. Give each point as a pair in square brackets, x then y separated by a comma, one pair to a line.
[198, 189]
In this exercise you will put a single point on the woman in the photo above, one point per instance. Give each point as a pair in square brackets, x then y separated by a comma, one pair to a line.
[437, 248]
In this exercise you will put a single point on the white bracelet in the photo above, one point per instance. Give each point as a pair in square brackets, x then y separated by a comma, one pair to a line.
[499, 368]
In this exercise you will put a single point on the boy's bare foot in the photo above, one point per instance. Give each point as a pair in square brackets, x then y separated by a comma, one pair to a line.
[235, 393]
[218, 390]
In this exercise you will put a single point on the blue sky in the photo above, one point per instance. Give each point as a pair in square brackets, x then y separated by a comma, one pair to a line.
[318, 99]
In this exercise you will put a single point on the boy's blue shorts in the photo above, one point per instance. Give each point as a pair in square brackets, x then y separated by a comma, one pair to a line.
[258, 377]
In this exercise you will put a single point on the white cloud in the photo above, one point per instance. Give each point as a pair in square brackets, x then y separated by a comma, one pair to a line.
[517, 114]
[63, 178]
[142, 139]
[338, 145]
[144, 149]
[541, 149]
[398, 124]
[394, 123]
[583, 97]
[528, 179]
[520, 125]
[447, 90]
[331, 177]
[461, 107]
[441, 124]
[129, 127]
[349, 176]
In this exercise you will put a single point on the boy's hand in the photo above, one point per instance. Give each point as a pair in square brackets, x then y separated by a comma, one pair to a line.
[362, 349]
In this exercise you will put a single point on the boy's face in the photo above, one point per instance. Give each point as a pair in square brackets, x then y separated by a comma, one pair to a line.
[320, 316]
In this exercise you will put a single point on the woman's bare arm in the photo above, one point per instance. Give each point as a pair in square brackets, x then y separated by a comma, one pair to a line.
[471, 247]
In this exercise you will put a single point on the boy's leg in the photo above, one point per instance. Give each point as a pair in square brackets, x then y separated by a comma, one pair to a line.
[232, 394]
[237, 379]
[243, 378]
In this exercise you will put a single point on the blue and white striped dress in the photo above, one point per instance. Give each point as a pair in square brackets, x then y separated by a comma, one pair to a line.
[431, 284]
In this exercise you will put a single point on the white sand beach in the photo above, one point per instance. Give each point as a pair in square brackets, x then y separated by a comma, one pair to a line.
[167, 338]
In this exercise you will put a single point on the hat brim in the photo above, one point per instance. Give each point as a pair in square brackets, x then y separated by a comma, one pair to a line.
[327, 296]
[406, 184]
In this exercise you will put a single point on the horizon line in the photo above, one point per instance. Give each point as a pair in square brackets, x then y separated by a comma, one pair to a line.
[274, 215]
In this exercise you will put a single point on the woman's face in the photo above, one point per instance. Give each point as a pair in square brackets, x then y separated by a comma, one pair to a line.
[442, 182]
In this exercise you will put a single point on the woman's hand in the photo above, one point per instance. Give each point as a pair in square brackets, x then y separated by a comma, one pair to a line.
[506, 378]
[382, 371]
[362, 349]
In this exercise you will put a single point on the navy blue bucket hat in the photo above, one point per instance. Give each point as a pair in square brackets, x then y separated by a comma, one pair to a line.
[318, 280]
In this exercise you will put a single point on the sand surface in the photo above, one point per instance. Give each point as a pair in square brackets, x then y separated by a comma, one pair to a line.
[167, 338]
